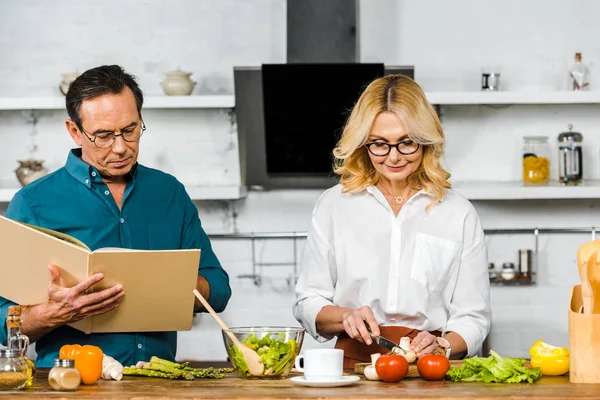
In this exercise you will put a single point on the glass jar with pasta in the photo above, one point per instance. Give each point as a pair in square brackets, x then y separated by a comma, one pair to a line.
[536, 160]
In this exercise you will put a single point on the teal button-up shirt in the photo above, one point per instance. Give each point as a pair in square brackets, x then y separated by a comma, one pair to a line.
[157, 214]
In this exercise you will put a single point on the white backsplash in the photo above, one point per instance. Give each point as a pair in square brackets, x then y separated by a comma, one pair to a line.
[200, 146]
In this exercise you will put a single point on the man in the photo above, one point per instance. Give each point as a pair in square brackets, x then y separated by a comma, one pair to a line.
[104, 198]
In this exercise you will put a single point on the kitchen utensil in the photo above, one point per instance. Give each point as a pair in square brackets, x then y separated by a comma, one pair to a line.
[585, 251]
[570, 157]
[584, 342]
[384, 342]
[583, 255]
[593, 275]
[586, 288]
[255, 367]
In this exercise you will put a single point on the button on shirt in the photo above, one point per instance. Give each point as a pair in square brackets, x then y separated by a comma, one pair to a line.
[157, 214]
[423, 269]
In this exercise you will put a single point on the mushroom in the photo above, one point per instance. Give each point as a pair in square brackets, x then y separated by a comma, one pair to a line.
[370, 372]
[443, 346]
[404, 350]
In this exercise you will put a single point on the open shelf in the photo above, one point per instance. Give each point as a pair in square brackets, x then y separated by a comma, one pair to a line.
[516, 190]
[514, 282]
[473, 98]
[197, 193]
[58, 103]
[228, 100]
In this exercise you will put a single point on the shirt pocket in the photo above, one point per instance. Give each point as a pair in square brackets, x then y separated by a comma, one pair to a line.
[164, 235]
[433, 261]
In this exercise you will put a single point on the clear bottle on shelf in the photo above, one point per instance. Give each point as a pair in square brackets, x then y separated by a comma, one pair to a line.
[536, 160]
[579, 75]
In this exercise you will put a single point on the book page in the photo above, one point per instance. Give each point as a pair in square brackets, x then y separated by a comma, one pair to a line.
[59, 235]
[114, 249]
[158, 289]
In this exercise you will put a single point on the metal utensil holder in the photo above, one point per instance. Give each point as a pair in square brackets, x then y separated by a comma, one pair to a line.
[536, 232]
[254, 238]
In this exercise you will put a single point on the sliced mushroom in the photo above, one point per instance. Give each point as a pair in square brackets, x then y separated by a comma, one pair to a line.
[443, 346]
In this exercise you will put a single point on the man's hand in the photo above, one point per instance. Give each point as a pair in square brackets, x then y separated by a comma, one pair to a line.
[68, 305]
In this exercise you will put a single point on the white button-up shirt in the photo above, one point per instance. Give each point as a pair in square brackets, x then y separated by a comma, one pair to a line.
[424, 269]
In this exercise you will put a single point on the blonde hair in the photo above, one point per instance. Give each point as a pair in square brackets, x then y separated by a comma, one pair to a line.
[402, 96]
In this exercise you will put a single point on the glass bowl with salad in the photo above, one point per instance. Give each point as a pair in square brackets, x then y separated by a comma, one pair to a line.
[277, 348]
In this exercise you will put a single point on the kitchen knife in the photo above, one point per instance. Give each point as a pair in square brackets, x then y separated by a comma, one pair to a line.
[384, 342]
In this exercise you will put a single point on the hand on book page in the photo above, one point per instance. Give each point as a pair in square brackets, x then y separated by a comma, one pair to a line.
[68, 305]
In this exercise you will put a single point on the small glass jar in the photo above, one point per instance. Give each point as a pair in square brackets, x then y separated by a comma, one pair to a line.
[13, 370]
[492, 272]
[536, 160]
[64, 376]
[509, 273]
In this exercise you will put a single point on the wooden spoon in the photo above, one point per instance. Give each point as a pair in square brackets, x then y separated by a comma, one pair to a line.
[255, 367]
[584, 252]
[593, 275]
[586, 288]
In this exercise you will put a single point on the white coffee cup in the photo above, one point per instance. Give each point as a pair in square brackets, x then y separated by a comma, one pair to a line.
[321, 364]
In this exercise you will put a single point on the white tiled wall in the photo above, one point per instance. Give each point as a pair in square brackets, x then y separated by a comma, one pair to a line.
[448, 42]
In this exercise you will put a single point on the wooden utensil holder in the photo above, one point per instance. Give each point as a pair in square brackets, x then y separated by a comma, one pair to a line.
[584, 342]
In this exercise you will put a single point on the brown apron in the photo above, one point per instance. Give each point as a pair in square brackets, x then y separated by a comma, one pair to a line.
[355, 351]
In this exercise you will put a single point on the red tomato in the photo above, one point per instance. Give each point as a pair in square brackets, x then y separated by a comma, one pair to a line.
[392, 368]
[433, 367]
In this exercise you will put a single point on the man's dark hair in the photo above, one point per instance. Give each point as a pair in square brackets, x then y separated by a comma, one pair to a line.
[106, 79]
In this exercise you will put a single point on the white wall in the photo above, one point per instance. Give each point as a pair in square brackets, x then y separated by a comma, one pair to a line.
[531, 43]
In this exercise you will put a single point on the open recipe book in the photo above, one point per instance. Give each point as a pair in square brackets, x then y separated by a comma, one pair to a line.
[158, 285]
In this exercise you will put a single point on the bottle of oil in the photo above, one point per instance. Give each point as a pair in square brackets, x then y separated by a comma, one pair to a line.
[579, 75]
[17, 340]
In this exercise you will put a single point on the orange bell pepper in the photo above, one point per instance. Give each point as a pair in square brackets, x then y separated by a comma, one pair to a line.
[88, 360]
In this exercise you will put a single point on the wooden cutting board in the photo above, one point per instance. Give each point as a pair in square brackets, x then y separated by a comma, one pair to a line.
[359, 368]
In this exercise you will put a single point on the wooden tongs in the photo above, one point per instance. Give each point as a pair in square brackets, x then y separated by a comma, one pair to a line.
[589, 272]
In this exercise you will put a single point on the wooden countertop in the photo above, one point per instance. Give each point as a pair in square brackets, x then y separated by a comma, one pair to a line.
[233, 387]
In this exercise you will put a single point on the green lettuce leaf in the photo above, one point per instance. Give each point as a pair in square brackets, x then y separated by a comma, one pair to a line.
[494, 368]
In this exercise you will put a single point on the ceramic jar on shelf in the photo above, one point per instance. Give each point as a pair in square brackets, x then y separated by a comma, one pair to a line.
[29, 170]
[66, 81]
[178, 83]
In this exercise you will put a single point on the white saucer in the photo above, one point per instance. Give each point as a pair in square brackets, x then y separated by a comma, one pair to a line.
[341, 381]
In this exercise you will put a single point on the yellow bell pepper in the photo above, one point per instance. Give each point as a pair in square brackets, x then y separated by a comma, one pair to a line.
[552, 360]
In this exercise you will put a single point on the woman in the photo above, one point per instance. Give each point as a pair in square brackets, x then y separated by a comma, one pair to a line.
[392, 249]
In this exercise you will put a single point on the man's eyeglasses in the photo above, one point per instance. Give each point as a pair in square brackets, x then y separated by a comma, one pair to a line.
[104, 140]
[380, 149]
